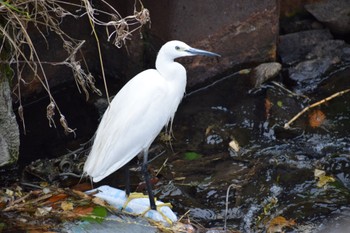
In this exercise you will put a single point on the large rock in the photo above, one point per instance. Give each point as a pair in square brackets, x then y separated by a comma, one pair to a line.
[290, 8]
[9, 133]
[310, 56]
[294, 47]
[241, 31]
[335, 14]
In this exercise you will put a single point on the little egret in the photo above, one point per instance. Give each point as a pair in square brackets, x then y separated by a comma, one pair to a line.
[138, 113]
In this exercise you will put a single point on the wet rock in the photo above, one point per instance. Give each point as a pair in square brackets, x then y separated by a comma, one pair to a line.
[294, 47]
[9, 133]
[311, 55]
[329, 48]
[338, 165]
[309, 73]
[336, 83]
[279, 106]
[323, 58]
[335, 14]
[266, 71]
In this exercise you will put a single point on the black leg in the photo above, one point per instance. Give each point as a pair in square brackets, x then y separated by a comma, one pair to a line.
[127, 179]
[147, 180]
[149, 187]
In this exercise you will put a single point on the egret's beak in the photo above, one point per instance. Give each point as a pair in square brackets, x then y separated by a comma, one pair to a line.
[202, 52]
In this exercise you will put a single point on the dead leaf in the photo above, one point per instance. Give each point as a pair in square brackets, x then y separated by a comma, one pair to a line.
[245, 71]
[320, 175]
[57, 198]
[316, 118]
[179, 178]
[208, 130]
[81, 194]
[268, 106]
[99, 201]
[234, 145]
[278, 223]
[165, 137]
[66, 206]
[82, 187]
[42, 211]
[83, 210]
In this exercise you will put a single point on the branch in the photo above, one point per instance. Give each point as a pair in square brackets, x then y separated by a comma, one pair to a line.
[340, 93]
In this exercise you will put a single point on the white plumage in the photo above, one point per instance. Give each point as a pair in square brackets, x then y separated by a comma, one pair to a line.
[139, 111]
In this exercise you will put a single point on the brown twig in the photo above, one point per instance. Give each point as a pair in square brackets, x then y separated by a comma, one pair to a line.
[340, 93]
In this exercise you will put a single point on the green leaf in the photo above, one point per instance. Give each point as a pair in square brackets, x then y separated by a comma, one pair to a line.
[280, 103]
[98, 215]
[192, 156]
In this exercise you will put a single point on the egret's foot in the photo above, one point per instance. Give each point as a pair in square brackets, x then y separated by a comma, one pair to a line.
[158, 209]
[147, 208]
[133, 196]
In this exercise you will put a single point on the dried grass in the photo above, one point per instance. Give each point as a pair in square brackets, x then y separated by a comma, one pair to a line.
[45, 16]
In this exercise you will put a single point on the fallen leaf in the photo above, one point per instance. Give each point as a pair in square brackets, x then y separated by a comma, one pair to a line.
[320, 175]
[9, 192]
[65, 206]
[98, 214]
[280, 103]
[268, 106]
[192, 156]
[42, 211]
[81, 194]
[57, 198]
[234, 145]
[208, 130]
[316, 118]
[278, 223]
[83, 210]
[165, 137]
[82, 187]
[99, 201]
[179, 178]
[244, 71]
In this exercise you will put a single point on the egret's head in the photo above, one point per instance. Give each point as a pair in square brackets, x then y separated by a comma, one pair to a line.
[174, 49]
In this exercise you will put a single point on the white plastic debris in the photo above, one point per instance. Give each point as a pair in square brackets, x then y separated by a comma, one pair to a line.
[138, 204]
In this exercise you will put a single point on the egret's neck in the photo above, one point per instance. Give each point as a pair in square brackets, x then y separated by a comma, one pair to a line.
[170, 69]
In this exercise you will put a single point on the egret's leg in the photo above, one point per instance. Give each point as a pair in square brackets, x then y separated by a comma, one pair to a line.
[127, 179]
[147, 181]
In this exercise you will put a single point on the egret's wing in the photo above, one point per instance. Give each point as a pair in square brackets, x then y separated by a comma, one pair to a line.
[130, 124]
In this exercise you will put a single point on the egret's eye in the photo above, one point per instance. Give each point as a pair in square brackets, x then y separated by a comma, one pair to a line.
[177, 47]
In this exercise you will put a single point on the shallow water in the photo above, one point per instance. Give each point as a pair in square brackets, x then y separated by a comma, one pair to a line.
[273, 170]
[274, 167]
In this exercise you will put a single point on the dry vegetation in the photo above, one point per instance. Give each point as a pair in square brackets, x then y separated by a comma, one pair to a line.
[17, 18]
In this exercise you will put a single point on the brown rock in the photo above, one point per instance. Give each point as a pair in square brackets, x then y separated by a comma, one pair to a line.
[241, 31]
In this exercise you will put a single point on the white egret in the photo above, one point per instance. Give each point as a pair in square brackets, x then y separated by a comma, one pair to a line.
[138, 113]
